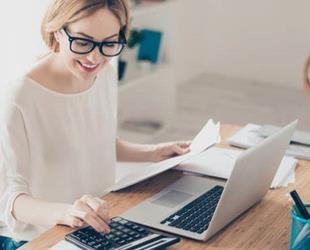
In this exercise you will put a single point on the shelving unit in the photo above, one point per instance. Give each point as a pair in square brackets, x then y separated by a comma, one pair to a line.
[139, 78]
[145, 8]
[149, 95]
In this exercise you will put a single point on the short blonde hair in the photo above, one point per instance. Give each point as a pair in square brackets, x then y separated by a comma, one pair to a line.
[63, 12]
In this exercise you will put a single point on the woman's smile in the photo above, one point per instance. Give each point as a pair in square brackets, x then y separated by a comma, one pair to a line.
[88, 67]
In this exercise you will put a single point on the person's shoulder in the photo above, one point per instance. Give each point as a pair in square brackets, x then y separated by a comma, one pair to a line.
[19, 91]
[11, 99]
[19, 87]
[15, 90]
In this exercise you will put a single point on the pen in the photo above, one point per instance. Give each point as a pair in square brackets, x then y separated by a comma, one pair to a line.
[302, 236]
[300, 205]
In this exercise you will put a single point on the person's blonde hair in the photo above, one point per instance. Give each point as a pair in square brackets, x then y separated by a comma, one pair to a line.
[63, 12]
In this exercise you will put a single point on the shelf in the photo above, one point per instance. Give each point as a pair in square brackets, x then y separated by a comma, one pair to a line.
[149, 7]
[139, 137]
[147, 92]
[137, 77]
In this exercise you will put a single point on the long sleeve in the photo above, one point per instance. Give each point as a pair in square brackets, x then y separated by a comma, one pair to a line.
[14, 156]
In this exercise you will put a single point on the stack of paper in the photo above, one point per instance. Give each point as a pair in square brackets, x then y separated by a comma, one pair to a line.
[252, 134]
[219, 162]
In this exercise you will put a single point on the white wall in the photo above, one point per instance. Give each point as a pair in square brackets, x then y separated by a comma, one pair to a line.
[264, 40]
[190, 32]
[20, 41]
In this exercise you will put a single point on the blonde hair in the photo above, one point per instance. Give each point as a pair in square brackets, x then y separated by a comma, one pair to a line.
[63, 12]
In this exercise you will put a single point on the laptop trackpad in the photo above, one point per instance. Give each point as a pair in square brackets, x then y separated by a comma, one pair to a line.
[172, 199]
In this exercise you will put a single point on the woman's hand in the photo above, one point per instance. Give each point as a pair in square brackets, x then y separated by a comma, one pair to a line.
[87, 210]
[169, 149]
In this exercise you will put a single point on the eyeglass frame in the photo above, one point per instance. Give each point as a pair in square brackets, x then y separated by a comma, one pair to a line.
[122, 42]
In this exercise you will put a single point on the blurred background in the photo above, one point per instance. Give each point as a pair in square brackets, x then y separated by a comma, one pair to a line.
[237, 62]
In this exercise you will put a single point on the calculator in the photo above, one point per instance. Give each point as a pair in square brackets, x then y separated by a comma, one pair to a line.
[124, 235]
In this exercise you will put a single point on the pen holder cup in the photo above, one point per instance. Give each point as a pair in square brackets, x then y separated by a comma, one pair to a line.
[300, 231]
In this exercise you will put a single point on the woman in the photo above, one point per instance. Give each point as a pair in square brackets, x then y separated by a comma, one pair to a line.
[58, 128]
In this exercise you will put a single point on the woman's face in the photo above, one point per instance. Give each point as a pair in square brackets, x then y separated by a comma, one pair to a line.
[100, 26]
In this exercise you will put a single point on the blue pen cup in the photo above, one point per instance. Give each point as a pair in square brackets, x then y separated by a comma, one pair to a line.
[300, 231]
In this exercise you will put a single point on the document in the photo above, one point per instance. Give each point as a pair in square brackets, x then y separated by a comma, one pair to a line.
[207, 137]
[64, 245]
[251, 135]
[125, 168]
[219, 162]
[216, 162]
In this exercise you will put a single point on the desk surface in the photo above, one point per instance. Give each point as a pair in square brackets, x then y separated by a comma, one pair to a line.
[265, 226]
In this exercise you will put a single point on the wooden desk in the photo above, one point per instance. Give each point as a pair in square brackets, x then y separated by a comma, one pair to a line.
[265, 226]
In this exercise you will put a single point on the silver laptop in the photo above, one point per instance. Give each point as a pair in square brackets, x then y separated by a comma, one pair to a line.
[197, 207]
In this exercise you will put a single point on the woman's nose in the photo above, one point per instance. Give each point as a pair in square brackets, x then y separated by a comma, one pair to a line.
[95, 56]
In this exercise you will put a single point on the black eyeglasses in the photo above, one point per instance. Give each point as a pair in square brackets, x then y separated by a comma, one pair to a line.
[82, 46]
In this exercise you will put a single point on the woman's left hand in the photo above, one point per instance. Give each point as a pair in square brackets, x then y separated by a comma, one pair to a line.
[169, 149]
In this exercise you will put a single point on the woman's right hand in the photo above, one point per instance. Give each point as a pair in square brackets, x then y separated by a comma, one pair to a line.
[87, 210]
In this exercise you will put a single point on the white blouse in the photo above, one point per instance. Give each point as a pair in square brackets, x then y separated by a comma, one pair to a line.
[56, 147]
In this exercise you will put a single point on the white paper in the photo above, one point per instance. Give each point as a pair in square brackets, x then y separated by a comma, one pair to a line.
[284, 174]
[219, 162]
[208, 136]
[250, 135]
[290, 179]
[125, 168]
[300, 137]
[246, 137]
[64, 245]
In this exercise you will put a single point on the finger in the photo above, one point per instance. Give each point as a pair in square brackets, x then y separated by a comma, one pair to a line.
[97, 223]
[100, 207]
[179, 150]
[76, 222]
[103, 203]
[87, 214]
[73, 221]
[184, 144]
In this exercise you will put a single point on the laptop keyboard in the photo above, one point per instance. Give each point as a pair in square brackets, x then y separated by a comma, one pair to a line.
[196, 215]
[122, 233]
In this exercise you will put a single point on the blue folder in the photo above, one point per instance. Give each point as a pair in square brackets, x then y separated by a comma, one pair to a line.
[150, 45]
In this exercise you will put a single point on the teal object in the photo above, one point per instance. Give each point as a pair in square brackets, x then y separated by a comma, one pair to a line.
[7, 243]
[149, 45]
[300, 231]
